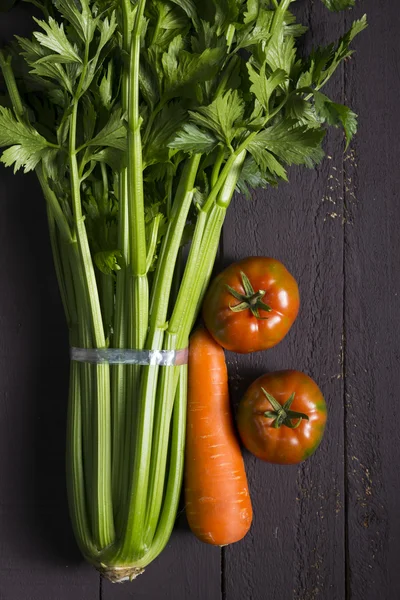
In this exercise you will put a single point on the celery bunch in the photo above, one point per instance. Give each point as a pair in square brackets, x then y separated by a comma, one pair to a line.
[141, 119]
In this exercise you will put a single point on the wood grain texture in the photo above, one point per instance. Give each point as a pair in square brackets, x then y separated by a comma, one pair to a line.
[327, 530]
[296, 548]
[372, 317]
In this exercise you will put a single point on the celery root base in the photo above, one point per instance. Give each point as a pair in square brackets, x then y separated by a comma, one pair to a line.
[119, 574]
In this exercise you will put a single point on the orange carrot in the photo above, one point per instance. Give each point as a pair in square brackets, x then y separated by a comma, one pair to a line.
[218, 505]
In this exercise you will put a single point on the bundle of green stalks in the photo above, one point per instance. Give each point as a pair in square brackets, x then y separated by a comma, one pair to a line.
[141, 119]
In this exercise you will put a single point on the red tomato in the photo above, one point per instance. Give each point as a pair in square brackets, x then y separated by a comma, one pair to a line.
[281, 418]
[251, 305]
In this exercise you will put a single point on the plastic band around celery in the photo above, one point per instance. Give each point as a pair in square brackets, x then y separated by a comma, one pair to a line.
[117, 356]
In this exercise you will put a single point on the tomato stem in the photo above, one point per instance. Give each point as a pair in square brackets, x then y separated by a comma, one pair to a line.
[250, 300]
[282, 414]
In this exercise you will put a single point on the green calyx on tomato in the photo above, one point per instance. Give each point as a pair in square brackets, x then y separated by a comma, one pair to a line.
[282, 415]
[250, 299]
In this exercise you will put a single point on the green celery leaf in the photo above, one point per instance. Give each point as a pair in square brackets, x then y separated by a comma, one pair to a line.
[113, 134]
[252, 11]
[336, 5]
[63, 131]
[336, 115]
[190, 9]
[192, 139]
[170, 20]
[153, 57]
[114, 158]
[305, 78]
[151, 212]
[168, 122]
[28, 147]
[105, 88]
[55, 39]
[35, 55]
[255, 32]
[31, 50]
[226, 13]
[356, 28]
[170, 59]
[325, 61]
[280, 52]
[302, 110]
[251, 178]
[291, 143]
[221, 115]
[212, 73]
[207, 37]
[292, 28]
[19, 156]
[82, 20]
[182, 70]
[107, 261]
[51, 160]
[297, 107]
[89, 118]
[267, 162]
[107, 28]
[56, 59]
[250, 38]
[264, 86]
[149, 83]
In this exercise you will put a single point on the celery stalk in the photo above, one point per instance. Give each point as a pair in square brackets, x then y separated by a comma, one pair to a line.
[141, 119]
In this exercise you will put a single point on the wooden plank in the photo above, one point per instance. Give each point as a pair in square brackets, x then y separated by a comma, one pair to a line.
[372, 316]
[296, 546]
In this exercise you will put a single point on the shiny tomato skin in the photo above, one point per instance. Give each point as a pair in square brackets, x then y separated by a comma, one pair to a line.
[242, 332]
[284, 445]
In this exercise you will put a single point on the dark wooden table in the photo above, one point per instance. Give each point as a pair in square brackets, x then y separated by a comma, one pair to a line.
[326, 530]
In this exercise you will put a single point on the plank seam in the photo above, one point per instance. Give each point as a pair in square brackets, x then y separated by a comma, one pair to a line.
[223, 570]
[344, 365]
